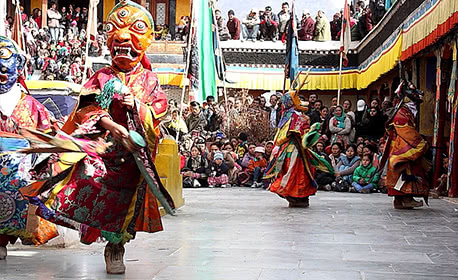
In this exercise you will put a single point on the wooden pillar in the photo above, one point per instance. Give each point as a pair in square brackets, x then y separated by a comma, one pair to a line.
[172, 17]
[439, 120]
[44, 12]
[452, 178]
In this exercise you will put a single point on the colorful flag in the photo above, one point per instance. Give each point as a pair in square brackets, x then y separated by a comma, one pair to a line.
[345, 34]
[292, 50]
[17, 34]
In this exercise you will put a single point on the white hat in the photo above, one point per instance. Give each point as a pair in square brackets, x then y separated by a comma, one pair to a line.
[305, 12]
[259, 150]
[360, 105]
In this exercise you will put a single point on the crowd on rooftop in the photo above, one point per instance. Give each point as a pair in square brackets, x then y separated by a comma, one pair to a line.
[266, 25]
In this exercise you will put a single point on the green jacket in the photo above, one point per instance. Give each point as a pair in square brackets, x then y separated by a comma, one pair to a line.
[366, 173]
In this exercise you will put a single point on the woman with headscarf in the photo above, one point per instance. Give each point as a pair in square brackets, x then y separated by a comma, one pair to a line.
[340, 126]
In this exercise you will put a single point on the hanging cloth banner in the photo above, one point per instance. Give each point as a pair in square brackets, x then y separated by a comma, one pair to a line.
[453, 100]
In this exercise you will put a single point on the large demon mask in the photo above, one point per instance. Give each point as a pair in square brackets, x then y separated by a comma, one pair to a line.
[12, 63]
[407, 91]
[129, 28]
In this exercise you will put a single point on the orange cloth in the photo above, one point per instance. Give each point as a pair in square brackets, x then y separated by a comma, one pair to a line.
[257, 163]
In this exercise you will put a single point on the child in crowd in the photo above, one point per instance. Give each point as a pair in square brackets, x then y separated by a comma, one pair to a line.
[194, 170]
[345, 168]
[365, 177]
[257, 166]
[218, 172]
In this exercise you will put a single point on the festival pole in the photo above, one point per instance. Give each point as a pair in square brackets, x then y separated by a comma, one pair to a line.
[92, 20]
[188, 62]
[220, 51]
[340, 79]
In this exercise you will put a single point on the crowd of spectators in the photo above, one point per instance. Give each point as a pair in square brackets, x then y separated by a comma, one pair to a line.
[56, 51]
[261, 25]
[225, 145]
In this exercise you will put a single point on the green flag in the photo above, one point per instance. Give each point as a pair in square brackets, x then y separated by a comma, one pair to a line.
[207, 75]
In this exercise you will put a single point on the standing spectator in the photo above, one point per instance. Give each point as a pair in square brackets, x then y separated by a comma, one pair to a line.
[36, 15]
[307, 27]
[322, 28]
[283, 18]
[53, 21]
[218, 172]
[233, 25]
[340, 126]
[250, 26]
[361, 110]
[274, 111]
[269, 25]
[375, 124]
[377, 8]
[257, 166]
[324, 121]
[212, 115]
[222, 28]
[336, 26]
[315, 113]
[82, 23]
[360, 6]
[350, 114]
[365, 177]
[196, 120]
[365, 22]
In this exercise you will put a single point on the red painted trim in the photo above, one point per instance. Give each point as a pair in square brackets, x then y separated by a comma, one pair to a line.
[431, 38]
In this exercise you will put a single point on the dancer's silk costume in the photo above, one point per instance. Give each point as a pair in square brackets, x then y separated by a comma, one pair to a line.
[105, 195]
[406, 172]
[18, 110]
[293, 165]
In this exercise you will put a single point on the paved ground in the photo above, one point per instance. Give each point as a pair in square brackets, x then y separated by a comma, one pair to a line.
[246, 234]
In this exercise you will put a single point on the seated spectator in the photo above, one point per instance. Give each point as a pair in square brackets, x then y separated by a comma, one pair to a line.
[218, 172]
[222, 28]
[249, 155]
[194, 170]
[322, 28]
[269, 25]
[233, 25]
[345, 168]
[340, 126]
[242, 145]
[365, 177]
[268, 147]
[256, 167]
[228, 150]
[324, 180]
[250, 26]
[307, 27]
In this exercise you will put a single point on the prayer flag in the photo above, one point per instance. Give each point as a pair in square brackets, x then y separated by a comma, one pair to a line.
[345, 34]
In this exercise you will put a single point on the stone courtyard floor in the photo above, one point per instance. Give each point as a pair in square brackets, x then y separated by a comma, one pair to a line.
[250, 234]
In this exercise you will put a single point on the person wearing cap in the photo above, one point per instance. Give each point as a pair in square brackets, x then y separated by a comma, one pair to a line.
[361, 111]
[250, 26]
[257, 166]
[305, 33]
[196, 120]
[233, 25]
[269, 25]
[218, 172]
